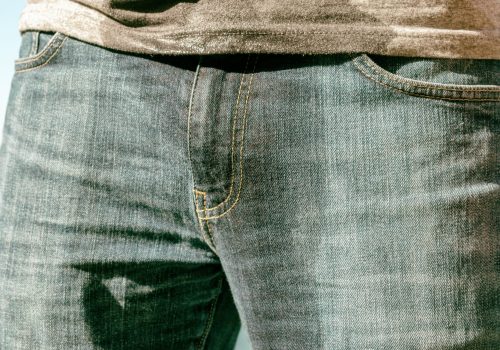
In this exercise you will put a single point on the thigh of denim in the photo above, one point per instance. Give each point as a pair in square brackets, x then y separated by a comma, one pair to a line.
[99, 242]
[358, 205]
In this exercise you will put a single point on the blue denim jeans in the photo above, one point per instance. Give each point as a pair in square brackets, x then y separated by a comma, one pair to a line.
[345, 201]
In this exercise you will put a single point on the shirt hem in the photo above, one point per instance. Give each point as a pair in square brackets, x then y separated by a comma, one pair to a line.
[204, 41]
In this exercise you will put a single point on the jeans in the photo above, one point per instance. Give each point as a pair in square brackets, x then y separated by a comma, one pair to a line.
[345, 201]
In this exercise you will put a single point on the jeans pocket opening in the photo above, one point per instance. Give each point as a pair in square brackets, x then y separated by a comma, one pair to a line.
[416, 87]
[43, 48]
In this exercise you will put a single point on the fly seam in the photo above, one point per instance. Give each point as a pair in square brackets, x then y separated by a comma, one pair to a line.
[190, 112]
[209, 234]
[207, 237]
[241, 148]
[235, 118]
[207, 240]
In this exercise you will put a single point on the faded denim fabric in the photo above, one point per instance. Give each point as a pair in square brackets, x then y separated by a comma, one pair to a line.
[343, 201]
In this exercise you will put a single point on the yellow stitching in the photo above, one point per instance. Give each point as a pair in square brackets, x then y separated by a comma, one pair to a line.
[196, 201]
[415, 83]
[37, 42]
[47, 47]
[235, 118]
[193, 89]
[211, 315]
[241, 148]
[391, 76]
[191, 98]
[46, 62]
[419, 95]
[207, 239]
[34, 43]
[209, 234]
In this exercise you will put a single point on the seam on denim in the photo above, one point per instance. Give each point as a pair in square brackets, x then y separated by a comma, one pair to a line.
[206, 235]
[211, 316]
[196, 192]
[428, 85]
[57, 39]
[367, 74]
[190, 105]
[209, 236]
[47, 61]
[209, 232]
[34, 43]
[233, 133]
[241, 148]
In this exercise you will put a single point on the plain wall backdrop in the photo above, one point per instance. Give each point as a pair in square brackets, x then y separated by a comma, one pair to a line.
[10, 39]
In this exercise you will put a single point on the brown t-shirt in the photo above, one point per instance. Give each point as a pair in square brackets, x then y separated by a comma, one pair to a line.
[425, 28]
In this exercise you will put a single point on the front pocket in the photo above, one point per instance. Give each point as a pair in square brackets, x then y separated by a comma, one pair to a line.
[446, 79]
[38, 49]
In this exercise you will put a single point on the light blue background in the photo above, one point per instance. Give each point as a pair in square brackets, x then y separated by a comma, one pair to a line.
[10, 39]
